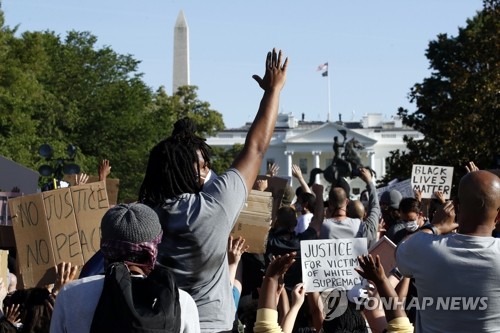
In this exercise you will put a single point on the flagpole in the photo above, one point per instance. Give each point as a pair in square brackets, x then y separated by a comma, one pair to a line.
[328, 79]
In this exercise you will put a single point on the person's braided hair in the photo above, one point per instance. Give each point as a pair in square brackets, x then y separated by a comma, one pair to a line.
[170, 171]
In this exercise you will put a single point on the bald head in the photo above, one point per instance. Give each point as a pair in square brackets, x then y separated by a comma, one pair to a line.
[355, 209]
[337, 198]
[479, 195]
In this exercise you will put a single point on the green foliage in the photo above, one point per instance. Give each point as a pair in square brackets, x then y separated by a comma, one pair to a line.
[458, 106]
[62, 91]
[222, 159]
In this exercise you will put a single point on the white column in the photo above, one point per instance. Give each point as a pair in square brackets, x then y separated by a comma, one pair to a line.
[289, 162]
[316, 154]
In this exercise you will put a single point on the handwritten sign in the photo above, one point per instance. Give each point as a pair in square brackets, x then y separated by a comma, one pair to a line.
[330, 263]
[431, 178]
[56, 226]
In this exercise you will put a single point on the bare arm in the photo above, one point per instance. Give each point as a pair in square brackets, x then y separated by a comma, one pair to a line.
[249, 160]
[298, 296]
[319, 209]
[297, 173]
[372, 270]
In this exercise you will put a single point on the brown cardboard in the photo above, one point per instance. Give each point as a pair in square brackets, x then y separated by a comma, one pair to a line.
[56, 226]
[62, 226]
[386, 250]
[33, 242]
[4, 271]
[90, 203]
[275, 185]
[254, 221]
[112, 186]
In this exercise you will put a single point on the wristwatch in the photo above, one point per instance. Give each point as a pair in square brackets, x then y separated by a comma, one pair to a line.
[431, 227]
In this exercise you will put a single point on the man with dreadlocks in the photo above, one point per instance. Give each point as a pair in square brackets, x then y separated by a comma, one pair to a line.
[197, 218]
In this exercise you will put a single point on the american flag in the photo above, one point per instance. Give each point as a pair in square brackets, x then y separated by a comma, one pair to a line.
[324, 68]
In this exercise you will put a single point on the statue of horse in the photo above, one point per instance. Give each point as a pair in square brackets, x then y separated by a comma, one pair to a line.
[343, 168]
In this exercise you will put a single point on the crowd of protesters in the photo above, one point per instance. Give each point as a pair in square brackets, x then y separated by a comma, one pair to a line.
[168, 263]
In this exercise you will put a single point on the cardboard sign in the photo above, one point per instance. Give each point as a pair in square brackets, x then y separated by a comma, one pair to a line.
[56, 226]
[112, 186]
[254, 221]
[431, 178]
[330, 263]
[275, 185]
[386, 250]
[4, 271]
[33, 242]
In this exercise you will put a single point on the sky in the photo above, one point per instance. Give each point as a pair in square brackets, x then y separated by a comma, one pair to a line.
[375, 49]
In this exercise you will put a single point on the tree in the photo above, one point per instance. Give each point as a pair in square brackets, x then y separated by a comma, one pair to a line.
[458, 105]
[68, 91]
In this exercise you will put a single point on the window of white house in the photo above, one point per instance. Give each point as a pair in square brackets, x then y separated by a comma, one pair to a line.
[303, 165]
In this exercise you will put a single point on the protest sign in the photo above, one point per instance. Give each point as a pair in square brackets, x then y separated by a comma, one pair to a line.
[56, 226]
[112, 186]
[6, 232]
[275, 185]
[254, 221]
[90, 202]
[386, 250]
[404, 187]
[330, 263]
[431, 178]
[4, 271]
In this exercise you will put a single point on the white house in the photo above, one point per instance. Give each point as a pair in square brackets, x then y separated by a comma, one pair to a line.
[309, 144]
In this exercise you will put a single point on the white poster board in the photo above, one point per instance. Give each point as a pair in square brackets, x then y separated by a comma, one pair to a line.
[431, 178]
[330, 263]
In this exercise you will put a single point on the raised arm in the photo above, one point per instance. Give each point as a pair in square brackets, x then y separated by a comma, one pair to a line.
[372, 221]
[248, 162]
[297, 173]
[319, 209]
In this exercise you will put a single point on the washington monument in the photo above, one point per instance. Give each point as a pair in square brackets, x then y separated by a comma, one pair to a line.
[181, 53]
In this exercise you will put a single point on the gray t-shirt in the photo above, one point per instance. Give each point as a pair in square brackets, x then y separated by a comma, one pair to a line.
[351, 227]
[196, 228]
[456, 272]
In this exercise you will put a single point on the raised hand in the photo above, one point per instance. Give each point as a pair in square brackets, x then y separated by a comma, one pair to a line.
[444, 218]
[365, 175]
[104, 169]
[81, 179]
[235, 249]
[273, 170]
[471, 167]
[275, 75]
[65, 273]
[279, 265]
[371, 269]
[12, 313]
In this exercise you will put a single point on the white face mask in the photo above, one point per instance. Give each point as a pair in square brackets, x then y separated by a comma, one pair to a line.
[411, 226]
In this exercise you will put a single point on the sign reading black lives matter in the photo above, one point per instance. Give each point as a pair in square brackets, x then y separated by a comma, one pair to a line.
[330, 263]
[431, 178]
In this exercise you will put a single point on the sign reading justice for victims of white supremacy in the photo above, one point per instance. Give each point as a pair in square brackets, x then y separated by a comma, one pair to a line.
[431, 178]
[330, 263]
